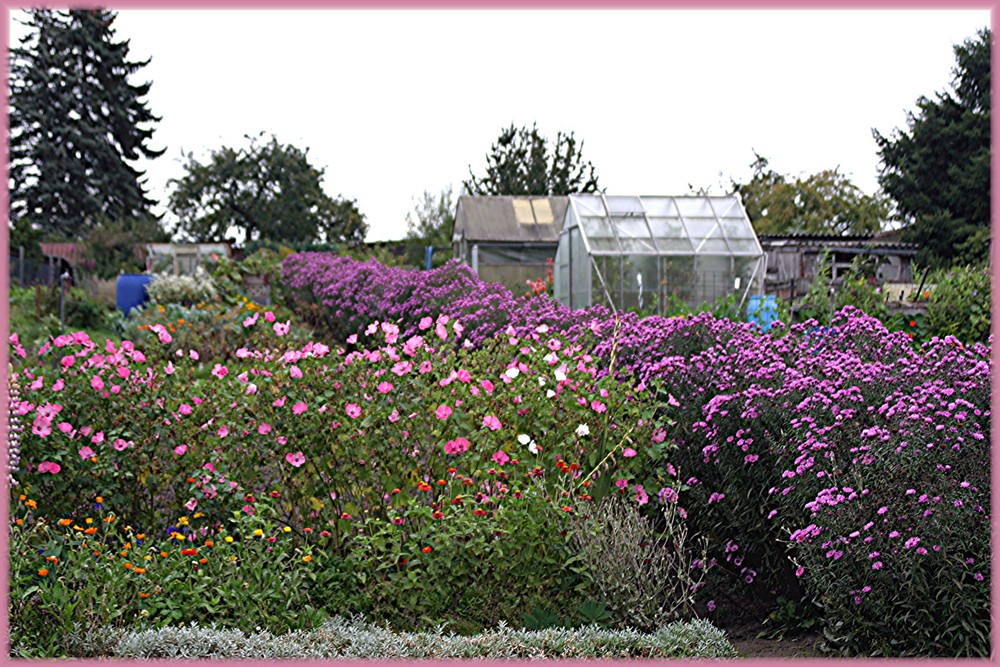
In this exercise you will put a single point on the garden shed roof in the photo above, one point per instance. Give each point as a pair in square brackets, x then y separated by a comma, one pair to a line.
[507, 219]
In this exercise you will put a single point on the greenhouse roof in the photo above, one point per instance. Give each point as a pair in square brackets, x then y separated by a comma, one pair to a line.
[504, 219]
[663, 225]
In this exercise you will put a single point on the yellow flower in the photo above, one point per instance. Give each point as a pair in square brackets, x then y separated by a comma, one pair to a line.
[65, 522]
[307, 558]
[287, 529]
[88, 520]
[31, 504]
[228, 538]
[258, 533]
[183, 521]
[98, 499]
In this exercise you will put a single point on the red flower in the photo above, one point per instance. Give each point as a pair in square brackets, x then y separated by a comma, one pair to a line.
[189, 552]
[427, 550]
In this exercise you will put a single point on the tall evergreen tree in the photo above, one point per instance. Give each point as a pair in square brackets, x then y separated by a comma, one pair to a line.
[937, 171]
[76, 124]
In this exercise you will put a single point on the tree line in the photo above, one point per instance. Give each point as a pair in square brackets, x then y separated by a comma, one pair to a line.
[77, 125]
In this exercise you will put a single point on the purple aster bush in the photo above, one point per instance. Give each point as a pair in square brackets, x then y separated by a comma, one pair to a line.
[859, 465]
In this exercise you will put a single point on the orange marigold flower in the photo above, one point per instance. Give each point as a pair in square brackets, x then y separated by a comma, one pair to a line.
[42, 572]
[202, 560]
[52, 559]
[307, 558]
[65, 522]
[90, 531]
[22, 497]
[128, 566]
[109, 518]
[143, 595]
[19, 521]
[31, 504]
[209, 543]
[163, 554]
[139, 570]
[98, 499]
[140, 536]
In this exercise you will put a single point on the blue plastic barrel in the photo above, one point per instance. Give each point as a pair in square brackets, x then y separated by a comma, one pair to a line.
[130, 291]
[762, 310]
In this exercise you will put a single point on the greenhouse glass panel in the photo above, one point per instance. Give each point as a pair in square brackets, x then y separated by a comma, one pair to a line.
[648, 253]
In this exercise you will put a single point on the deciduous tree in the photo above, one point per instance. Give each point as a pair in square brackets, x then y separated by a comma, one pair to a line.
[264, 191]
[521, 163]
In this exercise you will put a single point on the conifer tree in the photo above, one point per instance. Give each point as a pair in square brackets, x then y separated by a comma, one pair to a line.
[77, 125]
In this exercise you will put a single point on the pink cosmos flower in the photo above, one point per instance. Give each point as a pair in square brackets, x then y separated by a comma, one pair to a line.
[97, 383]
[279, 403]
[456, 446]
[58, 385]
[49, 467]
[443, 412]
[299, 408]
[250, 321]
[487, 386]
[628, 452]
[394, 417]
[180, 450]
[220, 371]
[500, 457]
[492, 423]
[384, 387]
[86, 453]
[264, 429]
[295, 372]
[425, 323]
[223, 431]
[282, 329]
[353, 410]
[296, 459]
[185, 409]
[269, 317]
[65, 427]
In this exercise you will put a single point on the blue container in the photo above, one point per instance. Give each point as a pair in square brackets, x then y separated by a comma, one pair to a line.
[762, 310]
[130, 291]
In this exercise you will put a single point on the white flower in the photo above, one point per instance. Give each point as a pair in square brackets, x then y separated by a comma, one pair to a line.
[542, 328]
[582, 430]
[541, 381]
[550, 394]
[512, 373]
[560, 376]
[533, 448]
[524, 438]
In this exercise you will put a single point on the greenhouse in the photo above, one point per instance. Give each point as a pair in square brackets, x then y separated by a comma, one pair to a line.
[645, 253]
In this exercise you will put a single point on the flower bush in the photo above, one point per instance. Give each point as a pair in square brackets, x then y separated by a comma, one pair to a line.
[165, 288]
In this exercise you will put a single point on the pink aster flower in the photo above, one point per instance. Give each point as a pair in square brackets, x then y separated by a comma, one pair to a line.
[500, 457]
[384, 387]
[180, 450]
[185, 409]
[295, 372]
[299, 408]
[628, 452]
[296, 459]
[220, 371]
[443, 412]
[269, 317]
[353, 410]
[281, 329]
[223, 431]
[49, 467]
[264, 429]
[86, 453]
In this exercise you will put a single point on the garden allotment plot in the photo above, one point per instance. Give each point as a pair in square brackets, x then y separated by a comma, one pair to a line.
[631, 252]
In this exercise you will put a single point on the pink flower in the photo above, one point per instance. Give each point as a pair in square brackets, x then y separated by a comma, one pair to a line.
[628, 452]
[443, 412]
[456, 446]
[394, 417]
[58, 385]
[353, 410]
[500, 457]
[384, 387]
[299, 408]
[223, 431]
[220, 371]
[191, 504]
[487, 386]
[67, 361]
[97, 438]
[640, 494]
[180, 450]
[491, 422]
[193, 354]
[441, 331]
[269, 317]
[185, 409]
[597, 406]
[86, 453]
[295, 372]
[264, 429]
[401, 368]
[659, 435]
[279, 403]
[50, 467]
[425, 323]
[250, 321]
[97, 383]
[65, 427]
[425, 367]
[281, 329]
[621, 483]
[120, 445]
[296, 459]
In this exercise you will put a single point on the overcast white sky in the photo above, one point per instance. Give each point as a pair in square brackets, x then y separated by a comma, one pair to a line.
[391, 103]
